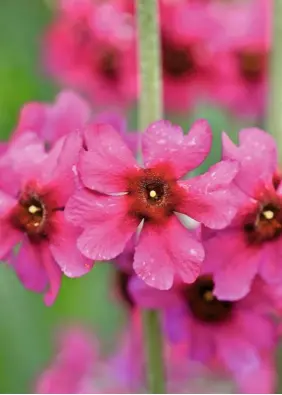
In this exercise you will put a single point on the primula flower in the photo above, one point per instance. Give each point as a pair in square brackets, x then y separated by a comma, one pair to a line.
[69, 113]
[188, 66]
[50, 122]
[72, 370]
[91, 46]
[119, 195]
[252, 244]
[242, 42]
[34, 188]
[218, 333]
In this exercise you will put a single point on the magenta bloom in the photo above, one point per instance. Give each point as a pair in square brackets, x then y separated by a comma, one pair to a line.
[69, 113]
[34, 188]
[252, 244]
[188, 65]
[72, 370]
[242, 57]
[91, 46]
[120, 195]
[234, 337]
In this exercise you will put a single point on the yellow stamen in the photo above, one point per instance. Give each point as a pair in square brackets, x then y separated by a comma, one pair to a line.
[268, 214]
[33, 209]
[208, 296]
[153, 194]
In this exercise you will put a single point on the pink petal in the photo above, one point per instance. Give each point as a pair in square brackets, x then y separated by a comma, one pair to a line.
[117, 121]
[104, 166]
[107, 225]
[32, 119]
[7, 202]
[3, 147]
[239, 355]
[163, 252]
[29, 267]
[152, 262]
[69, 113]
[149, 297]
[164, 142]
[271, 268]
[9, 236]
[63, 247]
[232, 262]
[186, 251]
[20, 161]
[257, 155]
[209, 197]
[58, 166]
[85, 207]
[54, 275]
[262, 381]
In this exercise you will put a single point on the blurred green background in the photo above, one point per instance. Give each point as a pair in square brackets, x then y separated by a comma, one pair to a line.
[27, 327]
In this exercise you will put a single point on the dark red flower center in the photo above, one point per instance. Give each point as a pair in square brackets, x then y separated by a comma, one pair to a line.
[32, 215]
[265, 224]
[109, 65]
[177, 61]
[153, 194]
[203, 304]
[252, 65]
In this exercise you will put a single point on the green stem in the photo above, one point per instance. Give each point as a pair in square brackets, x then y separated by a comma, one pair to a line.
[275, 94]
[150, 103]
[150, 110]
[153, 341]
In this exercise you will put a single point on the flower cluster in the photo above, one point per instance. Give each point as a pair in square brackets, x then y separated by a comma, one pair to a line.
[92, 46]
[204, 250]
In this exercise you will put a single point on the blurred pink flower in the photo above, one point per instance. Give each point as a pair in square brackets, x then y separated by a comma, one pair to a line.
[91, 46]
[242, 43]
[252, 243]
[72, 371]
[187, 63]
[34, 188]
[50, 122]
[120, 194]
[219, 334]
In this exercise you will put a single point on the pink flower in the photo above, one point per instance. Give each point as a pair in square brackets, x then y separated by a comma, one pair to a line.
[72, 370]
[70, 112]
[34, 188]
[242, 44]
[188, 65]
[91, 46]
[252, 244]
[120, 194]
[236, 337]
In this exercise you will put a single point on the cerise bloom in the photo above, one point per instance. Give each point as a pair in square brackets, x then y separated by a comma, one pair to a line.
[236, 338]
[50, 122]
[34, 188]
[74, 365]
[91, 46]
[242, 57]
[119, 195]
[252, 243]
[187, 64]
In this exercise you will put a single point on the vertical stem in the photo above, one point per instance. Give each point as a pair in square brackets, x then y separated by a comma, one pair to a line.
[275, 94]
[150, 103]
[154, 362]
[150, 109]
